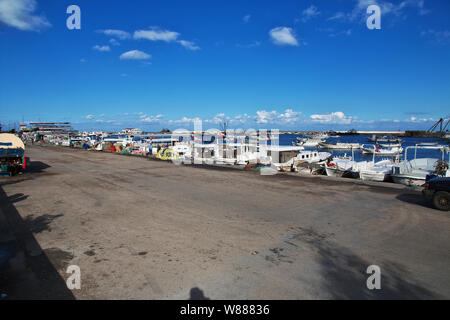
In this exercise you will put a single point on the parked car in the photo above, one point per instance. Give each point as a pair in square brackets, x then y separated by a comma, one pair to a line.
[438, 191]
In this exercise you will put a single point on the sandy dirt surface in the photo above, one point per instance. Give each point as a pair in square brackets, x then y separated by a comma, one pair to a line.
[147, 229]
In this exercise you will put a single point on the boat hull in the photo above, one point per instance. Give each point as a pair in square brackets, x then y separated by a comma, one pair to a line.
[373, 176]
[334, 172]
[408, 180]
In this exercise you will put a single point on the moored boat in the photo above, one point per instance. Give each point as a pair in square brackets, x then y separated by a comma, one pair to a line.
[339, 146]
[382, 151]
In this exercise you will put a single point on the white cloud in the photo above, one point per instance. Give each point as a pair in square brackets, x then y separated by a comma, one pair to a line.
[184, 120]
[387, 8]
[156, 34]
[189, 45]
[90, 116]
[246, 18]
[218, 119]
[116, 33]
[416, 120]
[20, 14]
[310, 13]
[101, 48]
[135, 55]
[114, 42]
[289, 116]
[151, 119]
[253, 44]
[334, 118]
[338, 16]
[263, 116]
[347, 32]
[283, 36]
[437, 36]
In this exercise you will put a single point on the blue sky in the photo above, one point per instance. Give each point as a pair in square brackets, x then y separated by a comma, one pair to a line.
[267, 64]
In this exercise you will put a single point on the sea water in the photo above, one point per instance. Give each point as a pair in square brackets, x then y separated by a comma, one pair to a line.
[287, 139]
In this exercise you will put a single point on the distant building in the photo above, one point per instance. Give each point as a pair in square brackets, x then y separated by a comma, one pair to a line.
[132, 131]
[51, 127]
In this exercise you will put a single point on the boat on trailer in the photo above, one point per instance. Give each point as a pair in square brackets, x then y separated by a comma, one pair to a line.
[414, 172]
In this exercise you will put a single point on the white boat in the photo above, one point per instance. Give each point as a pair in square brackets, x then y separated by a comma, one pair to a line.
[414, 172]
[447, 136]
[378, 171]
[339, 146]
[339, 167]
[317, 136]
[389, 140]
[307, 142]
[383, 151]
[389, 145]
[384, 139]
[286, 158]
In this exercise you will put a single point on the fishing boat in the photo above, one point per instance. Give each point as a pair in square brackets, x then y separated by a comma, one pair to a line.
[317, 135]
[447, 136]
[307, 142]
[378, 171]
[389, 145]
[382, 151]
[339, 167]
[389, 140]
[384, 139]
[339, 146]
[414, 172]
[286, 158]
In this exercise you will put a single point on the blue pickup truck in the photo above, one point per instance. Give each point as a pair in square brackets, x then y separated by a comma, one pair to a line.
[437, 190]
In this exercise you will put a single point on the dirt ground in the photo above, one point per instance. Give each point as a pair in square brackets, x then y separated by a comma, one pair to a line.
[147, 229]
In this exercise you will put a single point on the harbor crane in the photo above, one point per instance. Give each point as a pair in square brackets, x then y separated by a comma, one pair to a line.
[442, 123]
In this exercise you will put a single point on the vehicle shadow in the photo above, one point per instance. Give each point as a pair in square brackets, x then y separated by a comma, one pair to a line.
[415, 198]
[27, 272]
[36, 167]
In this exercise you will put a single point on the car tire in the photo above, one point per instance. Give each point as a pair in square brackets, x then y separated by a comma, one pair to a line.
[441, 200]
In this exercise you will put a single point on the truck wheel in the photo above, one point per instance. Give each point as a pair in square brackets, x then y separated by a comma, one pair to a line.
[441, 200]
